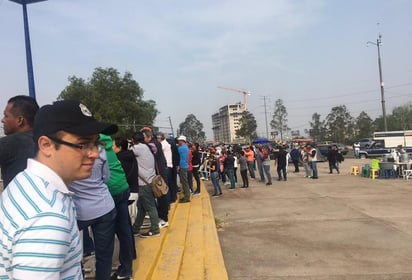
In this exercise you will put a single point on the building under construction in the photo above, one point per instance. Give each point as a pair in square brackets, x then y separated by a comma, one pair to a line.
[225, 123]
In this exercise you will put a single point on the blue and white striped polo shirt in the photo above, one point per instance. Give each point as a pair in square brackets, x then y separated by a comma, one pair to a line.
[39, 238]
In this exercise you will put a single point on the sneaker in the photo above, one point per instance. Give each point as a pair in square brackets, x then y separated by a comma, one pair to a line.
[149, 234]
[116, 276]
[88, 255]
[196, 193]
[268, 184]
[182, 200]
[215, 194]
[163, 224]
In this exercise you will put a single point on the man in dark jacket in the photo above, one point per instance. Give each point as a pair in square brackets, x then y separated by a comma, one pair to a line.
[281, 162]
[128, 161]
[333, 158]
[18, 145]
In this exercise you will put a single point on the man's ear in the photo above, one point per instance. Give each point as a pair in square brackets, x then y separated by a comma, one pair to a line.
[46, 145]
[21, 121]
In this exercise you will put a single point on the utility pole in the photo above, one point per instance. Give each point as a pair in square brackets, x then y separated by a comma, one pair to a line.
[266, 117]
[378, 44]
[171, 126]
[30, 75]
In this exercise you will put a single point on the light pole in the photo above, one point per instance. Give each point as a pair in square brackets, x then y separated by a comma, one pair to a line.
[378, 44]
[30, 75]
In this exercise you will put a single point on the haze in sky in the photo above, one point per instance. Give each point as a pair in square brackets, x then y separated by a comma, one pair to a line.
[312, 54]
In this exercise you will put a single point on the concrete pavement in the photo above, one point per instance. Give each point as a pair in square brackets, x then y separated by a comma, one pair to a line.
[336, 227]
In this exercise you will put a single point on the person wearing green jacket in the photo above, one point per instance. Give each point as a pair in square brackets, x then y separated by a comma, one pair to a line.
[119, 189]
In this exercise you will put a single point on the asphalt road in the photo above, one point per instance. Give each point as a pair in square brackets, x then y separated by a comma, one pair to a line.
[337, 227]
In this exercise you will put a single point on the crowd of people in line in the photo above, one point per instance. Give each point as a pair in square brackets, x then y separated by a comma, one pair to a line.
[64, 175]
[254, 162]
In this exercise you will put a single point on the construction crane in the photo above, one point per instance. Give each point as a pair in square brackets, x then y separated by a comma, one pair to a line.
[242, 91]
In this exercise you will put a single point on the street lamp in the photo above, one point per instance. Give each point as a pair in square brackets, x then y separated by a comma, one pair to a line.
[378, 44]
[30, 74]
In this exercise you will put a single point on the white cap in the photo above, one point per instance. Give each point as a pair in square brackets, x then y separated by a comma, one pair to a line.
[181, 137]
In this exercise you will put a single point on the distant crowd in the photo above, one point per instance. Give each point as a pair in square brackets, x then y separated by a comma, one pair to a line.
[64, 175]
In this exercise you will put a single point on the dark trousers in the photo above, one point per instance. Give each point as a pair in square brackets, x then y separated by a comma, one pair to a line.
[251, 166]
[245, 179]
[296, 164]
[163, 207]
[190, 179]
[172, 183]
[88, 244]
[281, 170]
[163, 202]
[333, 165]
[124, 233]
[103, 229]
[197, 178]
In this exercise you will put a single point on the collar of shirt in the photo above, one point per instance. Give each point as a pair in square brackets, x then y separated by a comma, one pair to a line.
[48, 175]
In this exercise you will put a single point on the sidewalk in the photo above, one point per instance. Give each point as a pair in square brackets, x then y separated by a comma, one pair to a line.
[339, 227]
[188, 249]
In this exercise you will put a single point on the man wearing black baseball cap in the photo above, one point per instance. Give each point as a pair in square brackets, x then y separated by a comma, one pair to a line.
[39, 221]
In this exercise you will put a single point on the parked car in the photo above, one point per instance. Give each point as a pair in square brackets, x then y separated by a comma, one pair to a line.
[322, 151]
[342, 148]
[365, 142]
[324, 148]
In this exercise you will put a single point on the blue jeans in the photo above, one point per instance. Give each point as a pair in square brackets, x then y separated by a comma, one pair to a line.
[215, 180]
[251, 166]
[314, 166]
[267, 172]
[261, 173]
[124, 233]
[103, 233]
[231, 175]
[185, 183]
[146, 203]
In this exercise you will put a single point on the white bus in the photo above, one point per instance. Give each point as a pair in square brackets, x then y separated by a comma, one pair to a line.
[394, 138]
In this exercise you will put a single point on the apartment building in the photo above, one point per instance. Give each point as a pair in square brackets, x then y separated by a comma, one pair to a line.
[225, 122]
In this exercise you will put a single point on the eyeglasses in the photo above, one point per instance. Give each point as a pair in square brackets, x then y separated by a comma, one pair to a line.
[86, 147]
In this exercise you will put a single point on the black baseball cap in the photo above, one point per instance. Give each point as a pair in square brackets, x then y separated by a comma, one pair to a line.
[71, 116]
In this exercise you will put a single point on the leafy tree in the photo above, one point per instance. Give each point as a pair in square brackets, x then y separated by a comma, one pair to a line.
[112, 98]
[248, 125]
[401, 118]
[340, 125]
[279, 120]
[192, 128]
[317, 129]
[364, 125]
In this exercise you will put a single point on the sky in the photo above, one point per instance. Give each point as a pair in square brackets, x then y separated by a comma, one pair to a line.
[312, 54]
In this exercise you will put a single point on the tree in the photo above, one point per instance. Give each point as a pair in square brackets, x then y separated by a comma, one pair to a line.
[248, 125]
[364, 126]
[340, 125]
[317, 129]
[279, 121]
[113, 98]
[401, 118]
[192, 128]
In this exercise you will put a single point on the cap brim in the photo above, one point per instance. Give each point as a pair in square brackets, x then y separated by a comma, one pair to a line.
[93, 128]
